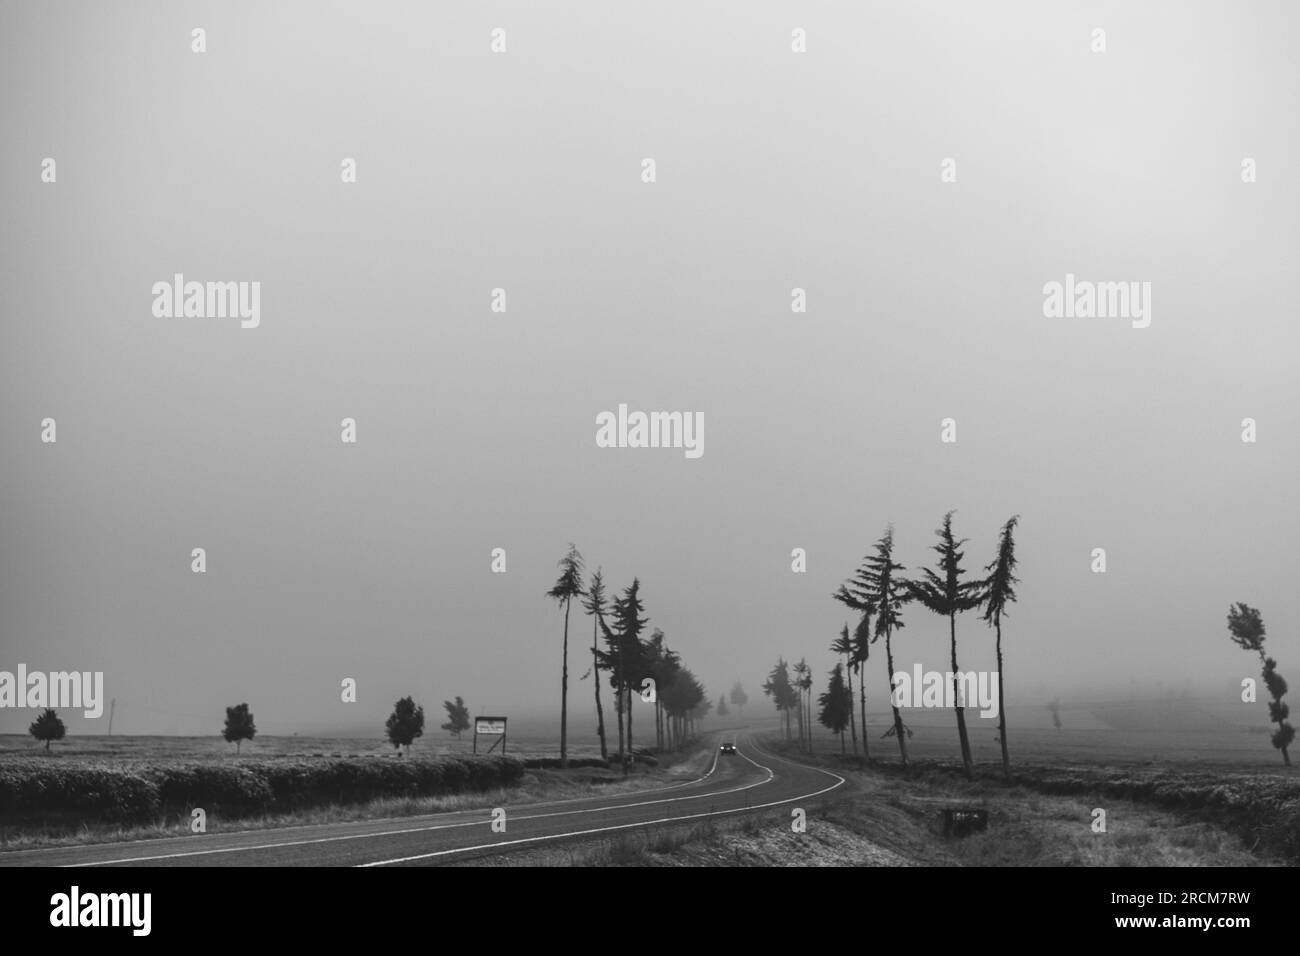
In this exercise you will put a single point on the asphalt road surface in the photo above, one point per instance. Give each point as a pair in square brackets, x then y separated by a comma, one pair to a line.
[748, 780]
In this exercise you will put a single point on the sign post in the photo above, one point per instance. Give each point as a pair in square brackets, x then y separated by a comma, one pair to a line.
[490, 727]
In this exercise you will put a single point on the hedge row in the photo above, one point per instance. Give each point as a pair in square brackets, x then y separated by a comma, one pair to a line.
[35, 788]
[86, 792]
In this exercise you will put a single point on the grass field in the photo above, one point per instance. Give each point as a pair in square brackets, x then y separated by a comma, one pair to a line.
[1176, 732]
[932, 739]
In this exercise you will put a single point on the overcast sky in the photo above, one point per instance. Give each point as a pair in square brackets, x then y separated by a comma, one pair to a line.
[476, 430]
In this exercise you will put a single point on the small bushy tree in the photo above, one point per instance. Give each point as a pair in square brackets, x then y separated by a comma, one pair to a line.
[239, 726]
[457, 717]
[48, 726]
[405, 723]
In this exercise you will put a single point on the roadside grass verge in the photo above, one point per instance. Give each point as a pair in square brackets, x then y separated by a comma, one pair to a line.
[1155, 816]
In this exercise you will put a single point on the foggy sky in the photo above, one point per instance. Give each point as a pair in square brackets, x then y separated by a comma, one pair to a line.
[477, 430]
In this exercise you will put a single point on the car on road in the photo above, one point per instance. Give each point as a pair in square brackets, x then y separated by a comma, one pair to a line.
[728, 748]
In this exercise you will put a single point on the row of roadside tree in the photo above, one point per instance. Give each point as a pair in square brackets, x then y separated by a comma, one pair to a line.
[637, 667]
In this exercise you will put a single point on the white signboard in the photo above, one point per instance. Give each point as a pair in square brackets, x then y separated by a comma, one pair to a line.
[489, 725]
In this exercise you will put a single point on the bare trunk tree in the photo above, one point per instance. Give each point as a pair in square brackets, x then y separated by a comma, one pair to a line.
[564, 692]
[630, 691]
[862, 701]
[622, 705]
[618, 706]
[600, 711]
[1002, 710]
[898, 718]
[958, 703]
[853, 721]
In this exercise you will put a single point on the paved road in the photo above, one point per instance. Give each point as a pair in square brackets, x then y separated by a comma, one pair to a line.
[751, 779]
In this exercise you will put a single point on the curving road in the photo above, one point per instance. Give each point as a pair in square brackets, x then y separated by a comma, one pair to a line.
[751, 779]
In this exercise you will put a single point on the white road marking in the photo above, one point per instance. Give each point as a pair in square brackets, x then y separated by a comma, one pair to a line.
[441, 826]
[627, 826]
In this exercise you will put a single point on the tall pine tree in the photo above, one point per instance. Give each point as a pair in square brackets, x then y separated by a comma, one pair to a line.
[622, 657]
[565, 590]
[944, 592]
[998, 591]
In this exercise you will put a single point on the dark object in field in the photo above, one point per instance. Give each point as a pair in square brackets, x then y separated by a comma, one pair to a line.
[963, 822]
